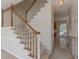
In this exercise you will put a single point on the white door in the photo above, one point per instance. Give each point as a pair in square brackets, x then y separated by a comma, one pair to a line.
[63, 35]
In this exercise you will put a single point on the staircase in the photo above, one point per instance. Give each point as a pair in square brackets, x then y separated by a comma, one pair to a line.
[23, 38]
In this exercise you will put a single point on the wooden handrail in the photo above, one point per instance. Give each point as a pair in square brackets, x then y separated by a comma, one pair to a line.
[26, 22]
[31, 6]
[6, 9]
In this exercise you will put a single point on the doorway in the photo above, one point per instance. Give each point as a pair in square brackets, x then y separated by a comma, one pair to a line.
[61, 34]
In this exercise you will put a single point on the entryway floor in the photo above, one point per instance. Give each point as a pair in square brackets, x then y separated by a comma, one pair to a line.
[61, 53]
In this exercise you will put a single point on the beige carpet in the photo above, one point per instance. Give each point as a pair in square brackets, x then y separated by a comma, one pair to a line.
[61, 53]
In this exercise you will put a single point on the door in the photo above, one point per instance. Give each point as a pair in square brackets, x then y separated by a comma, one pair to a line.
[63, 34]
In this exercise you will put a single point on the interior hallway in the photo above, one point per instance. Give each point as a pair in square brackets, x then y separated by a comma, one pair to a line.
[60, 50]
[60, 53]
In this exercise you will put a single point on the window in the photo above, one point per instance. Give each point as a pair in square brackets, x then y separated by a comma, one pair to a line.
[63, 29]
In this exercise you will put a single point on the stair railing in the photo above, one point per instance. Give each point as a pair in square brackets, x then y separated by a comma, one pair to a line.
[28, 35]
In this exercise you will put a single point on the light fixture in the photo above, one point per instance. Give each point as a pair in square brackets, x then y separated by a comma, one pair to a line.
[61, 2]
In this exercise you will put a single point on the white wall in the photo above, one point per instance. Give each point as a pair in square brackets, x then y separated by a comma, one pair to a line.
[42, 23]
[52, 28]
[7, 18]
[74, 30]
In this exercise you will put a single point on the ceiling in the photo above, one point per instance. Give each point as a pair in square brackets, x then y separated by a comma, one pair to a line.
[61, 10]
[7, 3]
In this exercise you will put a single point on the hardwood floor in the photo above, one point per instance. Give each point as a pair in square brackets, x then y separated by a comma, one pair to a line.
[6, 55]
[45, 55]
[61, 53]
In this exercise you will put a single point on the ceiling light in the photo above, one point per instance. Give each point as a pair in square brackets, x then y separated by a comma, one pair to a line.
[61, 2]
